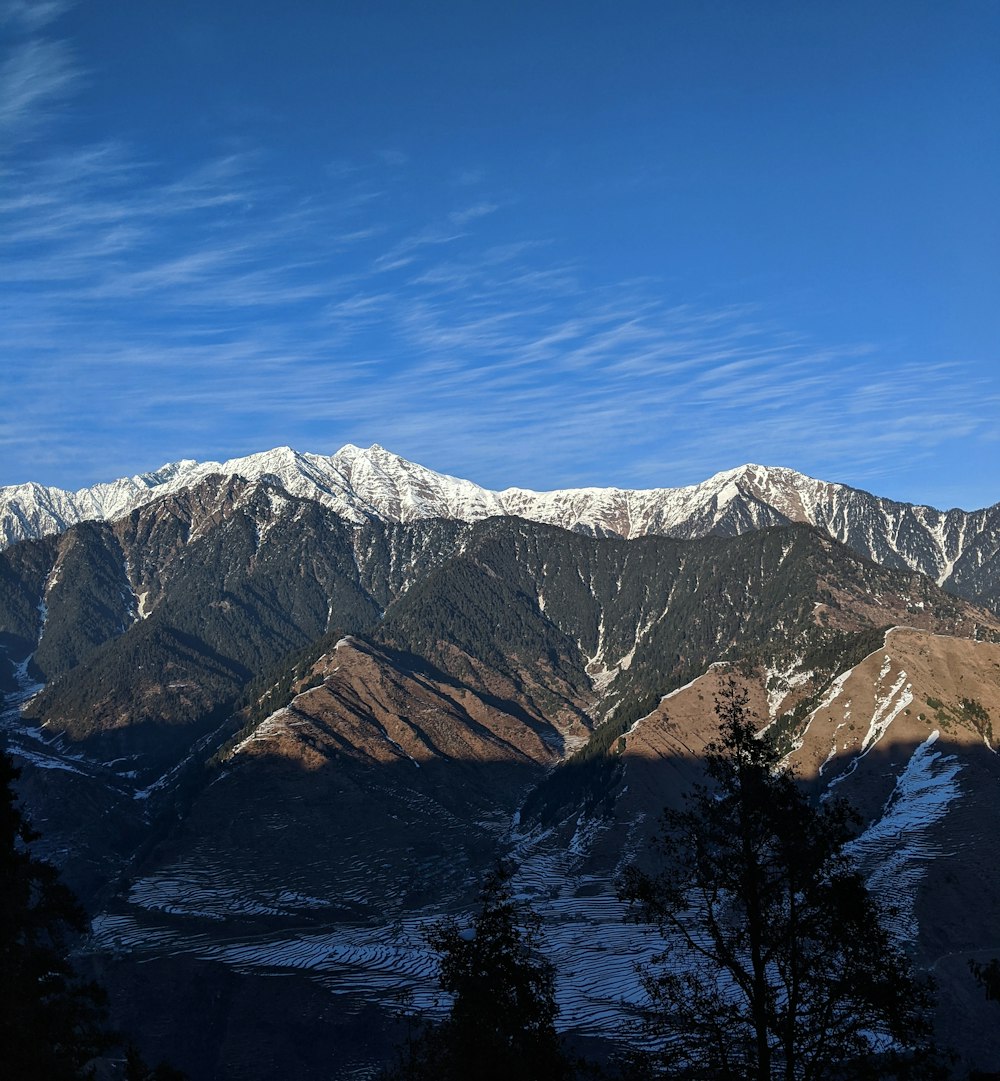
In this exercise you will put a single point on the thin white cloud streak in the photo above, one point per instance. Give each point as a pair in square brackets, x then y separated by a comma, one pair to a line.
[471, 213]
[34, 78]
[494, 411]
[31, 15]
[406, 251]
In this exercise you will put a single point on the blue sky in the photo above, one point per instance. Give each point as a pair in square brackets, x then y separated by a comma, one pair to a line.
[541, 244]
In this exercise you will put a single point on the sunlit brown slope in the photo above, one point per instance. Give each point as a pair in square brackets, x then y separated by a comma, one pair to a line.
[899, 695]
[369, 710]
[378, 791]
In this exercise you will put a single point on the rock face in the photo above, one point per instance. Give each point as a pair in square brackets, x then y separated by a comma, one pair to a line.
[266, 735]
[958, 549]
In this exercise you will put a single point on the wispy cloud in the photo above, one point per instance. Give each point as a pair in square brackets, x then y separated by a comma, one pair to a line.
[494, 362]
[471, 213]
[31, 15]
[34, 78]
[405, 252]
[395, 158]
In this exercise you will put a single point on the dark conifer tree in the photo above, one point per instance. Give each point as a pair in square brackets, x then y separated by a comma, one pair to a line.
[137, 1070]
[987, 975]
[501, 1026]
[52, 1022]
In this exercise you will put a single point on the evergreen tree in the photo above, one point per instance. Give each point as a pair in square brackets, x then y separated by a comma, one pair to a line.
[988, 977]
[502, 1021]
[52, 1022]
[777, 962]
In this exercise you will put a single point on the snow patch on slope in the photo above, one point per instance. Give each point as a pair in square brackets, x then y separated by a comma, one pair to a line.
[886, 711]
[780, 682]
[894, 850]
[888, 706]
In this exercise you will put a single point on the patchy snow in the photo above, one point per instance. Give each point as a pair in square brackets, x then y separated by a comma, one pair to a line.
[269, 728]
[834, 691]
[198, 749]
[364, 484]
[595, 952]
[402, 749]
[894, 850]
[833, 750]
[602, 672]
[181, 893]
[26, 686]
[887, 710]
[44, 761]
[780, 682]
[888, 707]
[691, 683]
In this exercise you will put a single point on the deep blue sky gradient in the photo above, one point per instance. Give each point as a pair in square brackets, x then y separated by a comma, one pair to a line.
[536, 244]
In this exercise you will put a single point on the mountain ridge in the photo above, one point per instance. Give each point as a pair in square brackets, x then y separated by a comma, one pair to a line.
[958, 549]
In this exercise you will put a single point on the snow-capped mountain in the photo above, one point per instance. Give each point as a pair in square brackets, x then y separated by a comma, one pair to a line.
[360, 485]
[958, 549]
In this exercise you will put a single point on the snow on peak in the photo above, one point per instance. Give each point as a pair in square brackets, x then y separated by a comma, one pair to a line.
[361, 484]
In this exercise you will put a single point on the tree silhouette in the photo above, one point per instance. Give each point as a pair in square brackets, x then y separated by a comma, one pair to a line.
[52, 1022]
[987, 975]
[501, 1026]
[777, 962]
[136, 1068]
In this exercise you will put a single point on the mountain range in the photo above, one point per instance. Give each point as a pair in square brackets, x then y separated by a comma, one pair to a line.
[958, 549]
[275, 714]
